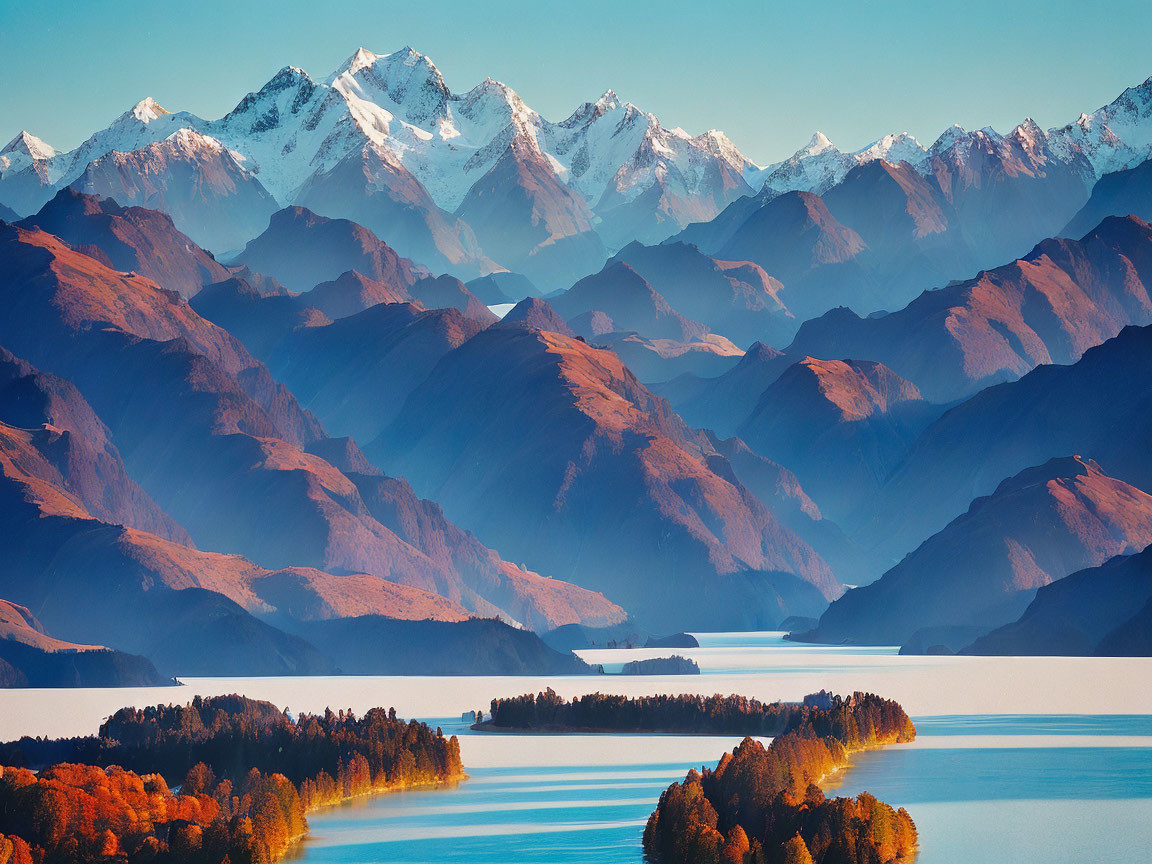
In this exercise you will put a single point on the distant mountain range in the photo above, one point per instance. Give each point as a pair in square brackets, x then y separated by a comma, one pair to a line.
[478, 181]
[318, 384]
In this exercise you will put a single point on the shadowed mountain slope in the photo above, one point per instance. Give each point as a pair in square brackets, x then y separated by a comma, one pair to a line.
[1101, 610]
[1120, 193]
[630, 301]
[736, 299]
[209, 434]
[570, 464]
[984, 568]
[29, 657]
[301, 250]
[193, 178]
[1098, 406]
[841, 425]
[129, 239]
[1049, 307]
[70, 437]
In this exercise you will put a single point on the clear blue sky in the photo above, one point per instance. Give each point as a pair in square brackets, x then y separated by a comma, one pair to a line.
[767, 73]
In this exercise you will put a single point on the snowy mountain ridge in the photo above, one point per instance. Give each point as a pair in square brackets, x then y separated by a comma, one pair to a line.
[640, 179]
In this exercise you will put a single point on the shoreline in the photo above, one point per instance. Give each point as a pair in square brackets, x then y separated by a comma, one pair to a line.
[386, 790]
[489, 729]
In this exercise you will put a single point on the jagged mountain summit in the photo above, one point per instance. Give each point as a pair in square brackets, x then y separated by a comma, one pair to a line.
[394, 118]
[1114, 137]
[476, 182]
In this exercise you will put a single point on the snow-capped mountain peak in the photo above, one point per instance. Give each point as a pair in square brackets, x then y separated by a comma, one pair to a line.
[620, 160]
[405, 83]
[28, 145]
[1114, 137]
[147, 110]
[25, 152]
[1030, 137]
[362, 59]
[948, 138]
[589, 112]
[895, 148]
[193, 142]
[608, 100]
[818, 144]
[815, 167]
[295, 127]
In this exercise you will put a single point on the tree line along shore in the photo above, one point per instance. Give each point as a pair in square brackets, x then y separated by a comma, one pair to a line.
[248, 774]
[761, 804]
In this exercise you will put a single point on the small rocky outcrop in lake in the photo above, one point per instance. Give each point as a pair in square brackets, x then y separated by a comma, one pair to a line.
[674, 665]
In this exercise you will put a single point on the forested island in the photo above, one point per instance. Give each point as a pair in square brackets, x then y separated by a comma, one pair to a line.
[820, 714]
[674, 665]
[248, 774]
[762, 805]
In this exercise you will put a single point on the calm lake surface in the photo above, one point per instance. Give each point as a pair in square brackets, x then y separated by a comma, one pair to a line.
[1017, 759]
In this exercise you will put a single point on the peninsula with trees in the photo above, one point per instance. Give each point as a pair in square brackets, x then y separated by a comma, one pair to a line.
[764, 803]
[248, 774]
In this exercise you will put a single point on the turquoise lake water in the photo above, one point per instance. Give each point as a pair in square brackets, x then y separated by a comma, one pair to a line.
[1007, 766]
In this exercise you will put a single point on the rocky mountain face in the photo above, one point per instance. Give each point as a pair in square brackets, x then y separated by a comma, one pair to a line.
[372, 187]
[448, 292]
[193, 178]
[355, 373]
[1097, 406]
[1113, 137]
[349, 293]
[630, 301]
[301, 249]
[659, 360]
[735, 298]
[464, 182]
[799, 242]
[502, 287]
[533, 313]
[561, 448]
[985, 567]
[1008, 190]
[527, 219]
[211, 436]
[619, 309]
[26, 173]
[1100, 610]
[29, 657]
[69, 437]
[1121, 193]
[1048, 307]
[842, 426]
[474, 182]
[129, 239]
[471, 182]
[95, 582]
[780, 491]
[926, 214]
[724, 402]
[911, 229]
[202, 613]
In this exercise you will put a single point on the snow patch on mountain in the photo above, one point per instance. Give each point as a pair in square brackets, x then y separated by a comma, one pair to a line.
[27, 146]
[617, 157]
[1114, 137]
